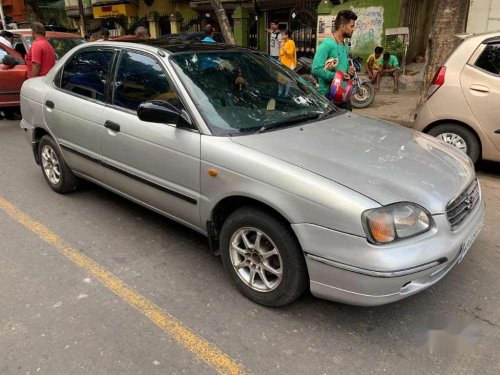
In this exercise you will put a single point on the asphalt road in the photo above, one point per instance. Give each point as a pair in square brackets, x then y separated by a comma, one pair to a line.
[60, 314]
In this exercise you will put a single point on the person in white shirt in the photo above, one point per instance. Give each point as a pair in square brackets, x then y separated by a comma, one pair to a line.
[7, 38]
[275, 40]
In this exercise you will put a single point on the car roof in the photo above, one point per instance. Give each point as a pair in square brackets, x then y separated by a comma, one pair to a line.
[48, 34]
[175, 46]
[489, 37]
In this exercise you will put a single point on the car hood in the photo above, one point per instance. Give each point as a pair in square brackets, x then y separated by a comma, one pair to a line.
[385, 162]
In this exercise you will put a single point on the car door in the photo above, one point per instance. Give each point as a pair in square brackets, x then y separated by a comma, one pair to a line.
[11, 78]
[156, 164]
[73, 108]
[481, 86]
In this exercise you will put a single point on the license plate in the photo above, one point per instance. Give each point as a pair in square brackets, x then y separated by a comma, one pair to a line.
[468, 243]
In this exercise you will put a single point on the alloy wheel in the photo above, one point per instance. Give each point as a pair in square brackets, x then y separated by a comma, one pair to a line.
[361, 94]
[256, 259]
[454, 140]
[50, 164]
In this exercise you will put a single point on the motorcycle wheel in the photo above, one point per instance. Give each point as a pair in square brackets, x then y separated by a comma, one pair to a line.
[363, 96]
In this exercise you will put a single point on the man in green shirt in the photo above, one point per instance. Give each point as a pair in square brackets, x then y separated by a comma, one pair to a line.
[335, 47]
[390, 68]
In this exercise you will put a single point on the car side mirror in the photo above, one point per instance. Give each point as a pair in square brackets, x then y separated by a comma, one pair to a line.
[162, 112]
[9, 61]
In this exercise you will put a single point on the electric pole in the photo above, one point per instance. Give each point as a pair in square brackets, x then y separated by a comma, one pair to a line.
[83, 26]
[2, 17]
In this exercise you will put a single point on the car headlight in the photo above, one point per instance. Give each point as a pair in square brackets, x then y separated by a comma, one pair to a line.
[396, 221]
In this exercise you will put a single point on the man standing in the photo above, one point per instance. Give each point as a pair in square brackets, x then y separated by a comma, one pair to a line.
[209, 31]
[142, 33]
[7, 38]
[335, 48]
[274, 40]
[105, 34]
[41, 57]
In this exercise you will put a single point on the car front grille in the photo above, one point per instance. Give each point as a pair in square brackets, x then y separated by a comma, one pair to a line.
[459, 209]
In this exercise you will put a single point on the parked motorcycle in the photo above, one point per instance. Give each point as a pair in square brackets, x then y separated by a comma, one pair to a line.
[363, 92]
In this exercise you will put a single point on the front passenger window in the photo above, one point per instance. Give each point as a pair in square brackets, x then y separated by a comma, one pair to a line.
[140, 78]
[87, 73]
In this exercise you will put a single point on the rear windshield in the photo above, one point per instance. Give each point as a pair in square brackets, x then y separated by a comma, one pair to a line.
[61, 45]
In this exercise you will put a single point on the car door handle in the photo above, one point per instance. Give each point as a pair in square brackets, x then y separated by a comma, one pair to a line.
[112, 126]
[479, 88]
[50, 104]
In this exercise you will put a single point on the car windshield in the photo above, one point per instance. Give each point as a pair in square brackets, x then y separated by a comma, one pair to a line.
[243, 92]
[61, 45]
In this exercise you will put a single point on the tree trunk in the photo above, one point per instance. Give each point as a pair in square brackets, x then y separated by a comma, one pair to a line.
[223, 21]
[449, 19]
[36, 11]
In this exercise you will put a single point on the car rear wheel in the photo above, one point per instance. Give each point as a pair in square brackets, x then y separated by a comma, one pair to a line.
[56, 172]
[459, 137]
[262, 256]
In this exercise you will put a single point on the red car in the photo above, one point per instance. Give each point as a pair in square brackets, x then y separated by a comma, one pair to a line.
[13, 74]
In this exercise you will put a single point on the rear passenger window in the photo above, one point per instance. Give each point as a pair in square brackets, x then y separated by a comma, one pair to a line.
[140, 78]
[490, 59]
[87, 73]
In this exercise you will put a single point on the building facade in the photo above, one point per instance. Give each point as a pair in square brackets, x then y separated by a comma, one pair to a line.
[484, 16]
[15, 9]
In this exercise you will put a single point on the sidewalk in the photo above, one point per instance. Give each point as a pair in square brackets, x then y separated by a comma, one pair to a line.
[398, 108]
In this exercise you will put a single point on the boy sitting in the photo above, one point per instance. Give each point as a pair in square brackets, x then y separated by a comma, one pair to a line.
[373, 67]
[390, 67]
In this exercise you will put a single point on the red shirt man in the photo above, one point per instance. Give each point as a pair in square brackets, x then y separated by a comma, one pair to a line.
[41, 57]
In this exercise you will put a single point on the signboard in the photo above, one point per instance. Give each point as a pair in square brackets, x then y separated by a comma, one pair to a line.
[369, 28]
[325, 27]
[114, 10]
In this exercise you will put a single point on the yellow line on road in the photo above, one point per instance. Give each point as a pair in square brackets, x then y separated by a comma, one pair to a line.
[200, 347]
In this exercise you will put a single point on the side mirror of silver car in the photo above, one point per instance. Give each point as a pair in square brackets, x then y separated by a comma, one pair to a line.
[162, 112]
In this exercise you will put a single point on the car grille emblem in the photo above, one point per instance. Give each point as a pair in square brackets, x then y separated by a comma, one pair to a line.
[468, 203]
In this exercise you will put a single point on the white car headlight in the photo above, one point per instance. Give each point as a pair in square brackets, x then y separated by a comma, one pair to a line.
[395, 221]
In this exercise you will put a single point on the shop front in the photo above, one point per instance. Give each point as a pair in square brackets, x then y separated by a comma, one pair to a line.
[298, 17]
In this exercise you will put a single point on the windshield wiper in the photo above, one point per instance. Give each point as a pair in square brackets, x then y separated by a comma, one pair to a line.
[290, 121]
[330, 111]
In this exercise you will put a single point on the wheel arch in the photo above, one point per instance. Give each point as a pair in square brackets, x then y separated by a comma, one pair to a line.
[38, 133]
[431, 126]
[227, 205]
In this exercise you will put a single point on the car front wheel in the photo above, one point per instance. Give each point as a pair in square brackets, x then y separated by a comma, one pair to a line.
[56, 172]
[262, 256]
[459, 137]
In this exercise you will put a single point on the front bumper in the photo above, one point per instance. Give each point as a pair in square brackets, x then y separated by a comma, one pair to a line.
[349, 269]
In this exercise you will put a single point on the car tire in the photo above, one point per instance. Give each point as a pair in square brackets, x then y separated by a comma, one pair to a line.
[444, 131]
[280, 288]
[54, 168]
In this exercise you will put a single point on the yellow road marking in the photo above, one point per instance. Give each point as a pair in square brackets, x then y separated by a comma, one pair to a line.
[200, 347]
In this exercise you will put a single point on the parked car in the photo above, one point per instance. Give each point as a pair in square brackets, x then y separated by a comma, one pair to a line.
[463, 105]
[15, 75]
[62, 42]
[192, 36]
[48, 27]
[290, 190]
[12, 76]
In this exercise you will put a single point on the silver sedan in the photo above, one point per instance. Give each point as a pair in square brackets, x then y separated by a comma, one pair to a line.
[293, 192]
